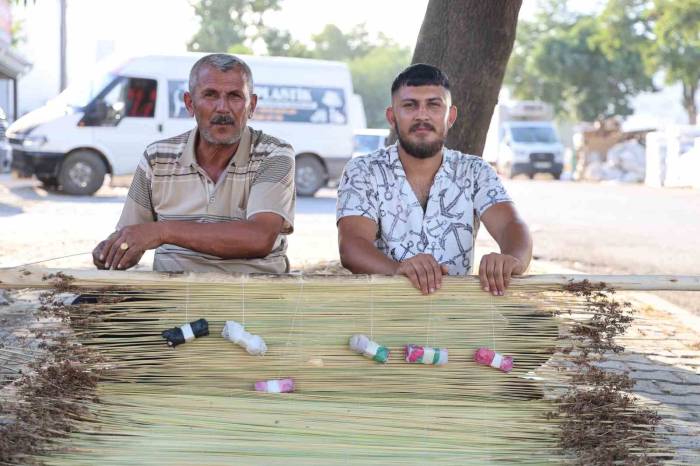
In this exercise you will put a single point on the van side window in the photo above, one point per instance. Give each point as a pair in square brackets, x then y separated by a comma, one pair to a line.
[141, 98]
[125, 97]
[113, 105]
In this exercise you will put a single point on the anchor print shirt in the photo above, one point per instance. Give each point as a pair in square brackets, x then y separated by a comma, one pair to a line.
[375, 186]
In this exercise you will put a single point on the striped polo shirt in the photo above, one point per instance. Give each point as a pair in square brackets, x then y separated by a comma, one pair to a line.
[170, 185]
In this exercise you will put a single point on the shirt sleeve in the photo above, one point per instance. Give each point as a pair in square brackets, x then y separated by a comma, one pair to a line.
[138, 207]
[488, 189]
[357, 194]
[272, 189]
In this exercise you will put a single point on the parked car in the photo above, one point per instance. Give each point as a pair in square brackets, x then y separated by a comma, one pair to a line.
[5, 148]
[102, 127]
[368, 140]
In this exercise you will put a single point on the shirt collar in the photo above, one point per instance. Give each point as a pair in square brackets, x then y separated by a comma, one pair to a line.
[239, 159]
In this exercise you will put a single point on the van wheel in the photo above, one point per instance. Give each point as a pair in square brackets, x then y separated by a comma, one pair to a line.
[310, 175]
[82, 173]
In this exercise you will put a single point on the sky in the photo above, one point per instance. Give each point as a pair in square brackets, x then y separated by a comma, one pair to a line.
[98, 28]
[398, 19]
[127, 27]
[152, 26]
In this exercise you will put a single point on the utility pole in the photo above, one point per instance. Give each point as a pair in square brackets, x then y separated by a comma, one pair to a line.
[64, 72]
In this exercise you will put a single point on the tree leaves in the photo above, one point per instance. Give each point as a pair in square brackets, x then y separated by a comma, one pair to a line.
[560, 59]
[589, 66]
[228, 24]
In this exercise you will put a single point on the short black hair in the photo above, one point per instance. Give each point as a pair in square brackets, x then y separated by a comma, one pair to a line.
[421, 74]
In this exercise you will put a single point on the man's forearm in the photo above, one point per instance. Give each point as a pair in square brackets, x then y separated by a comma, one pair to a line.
[361, 256]
[228, 240]
[517, 242]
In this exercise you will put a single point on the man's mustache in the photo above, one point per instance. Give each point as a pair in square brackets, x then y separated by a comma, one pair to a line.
[223, 120]
[418, 126]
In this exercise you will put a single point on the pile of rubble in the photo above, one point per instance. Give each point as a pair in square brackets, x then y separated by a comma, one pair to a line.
[606, 153]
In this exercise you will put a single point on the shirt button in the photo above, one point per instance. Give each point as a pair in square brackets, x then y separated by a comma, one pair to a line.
[211, 200]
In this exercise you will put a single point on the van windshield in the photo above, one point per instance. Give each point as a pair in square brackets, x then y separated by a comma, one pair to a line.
[541, 134]
[80, 94]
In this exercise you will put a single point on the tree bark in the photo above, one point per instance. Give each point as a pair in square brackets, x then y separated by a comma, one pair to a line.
[471, 41]
[689, 90]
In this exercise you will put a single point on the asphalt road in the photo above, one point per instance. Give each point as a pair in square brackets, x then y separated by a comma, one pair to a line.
[592, 227]
[615, 228]
[626, 228]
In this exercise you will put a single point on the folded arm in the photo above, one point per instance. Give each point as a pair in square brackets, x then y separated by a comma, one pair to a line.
[270, 205]
[250, 238]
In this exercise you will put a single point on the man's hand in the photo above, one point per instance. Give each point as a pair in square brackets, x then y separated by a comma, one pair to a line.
[98, 254]
[124, 248]
[423, 271]
[495, 271]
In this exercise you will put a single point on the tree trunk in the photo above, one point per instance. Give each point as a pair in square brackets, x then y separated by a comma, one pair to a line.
[471, 41]
[689, 90]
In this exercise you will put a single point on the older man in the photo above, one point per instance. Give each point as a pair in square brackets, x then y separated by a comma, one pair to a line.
[414, 208]
[217, 198]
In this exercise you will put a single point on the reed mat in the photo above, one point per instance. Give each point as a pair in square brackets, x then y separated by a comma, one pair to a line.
[195, 404]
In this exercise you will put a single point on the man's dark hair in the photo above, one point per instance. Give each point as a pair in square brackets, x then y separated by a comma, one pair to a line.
[421, 74]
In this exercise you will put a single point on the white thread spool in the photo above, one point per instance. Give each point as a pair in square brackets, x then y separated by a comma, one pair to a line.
[235, 332]
[363, 345]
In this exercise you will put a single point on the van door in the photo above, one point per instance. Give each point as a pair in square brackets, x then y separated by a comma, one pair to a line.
[125, 121]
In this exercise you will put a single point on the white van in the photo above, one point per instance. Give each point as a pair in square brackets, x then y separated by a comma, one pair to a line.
[103, 127]
[523, 139]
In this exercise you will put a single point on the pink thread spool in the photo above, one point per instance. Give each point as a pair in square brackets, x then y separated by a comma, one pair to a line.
[418, 354]
[275, 386]
[489, 357]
